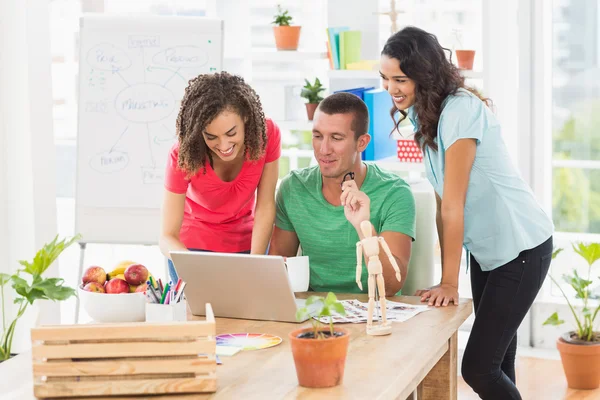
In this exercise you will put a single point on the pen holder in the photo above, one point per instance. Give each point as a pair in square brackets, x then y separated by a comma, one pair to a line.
[166, 312]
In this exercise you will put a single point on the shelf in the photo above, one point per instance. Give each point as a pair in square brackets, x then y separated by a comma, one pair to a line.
[364, 74]
[394, 165]
[470, 74]
[274, 55]
[279, 77]
[299, 125]
[352, 74]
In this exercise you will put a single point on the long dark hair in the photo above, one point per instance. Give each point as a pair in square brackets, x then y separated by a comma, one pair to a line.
[423, 60]
[206, 96]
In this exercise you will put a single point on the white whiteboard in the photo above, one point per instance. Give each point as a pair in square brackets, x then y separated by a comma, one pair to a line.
[132, 76]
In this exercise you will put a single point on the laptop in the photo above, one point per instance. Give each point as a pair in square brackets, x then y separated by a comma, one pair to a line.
[237, 285]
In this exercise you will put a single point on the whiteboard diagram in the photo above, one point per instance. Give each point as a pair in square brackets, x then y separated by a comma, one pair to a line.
[131, 85]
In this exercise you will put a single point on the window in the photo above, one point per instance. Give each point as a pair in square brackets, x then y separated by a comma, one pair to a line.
[571, 120]
[576, 116]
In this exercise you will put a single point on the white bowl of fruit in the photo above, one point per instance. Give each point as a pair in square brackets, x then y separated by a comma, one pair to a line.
[117, 296]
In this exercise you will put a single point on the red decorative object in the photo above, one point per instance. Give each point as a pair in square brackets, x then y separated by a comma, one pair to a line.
[409, 151]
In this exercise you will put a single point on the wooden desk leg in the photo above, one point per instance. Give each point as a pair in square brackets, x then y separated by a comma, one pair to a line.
[440, 383]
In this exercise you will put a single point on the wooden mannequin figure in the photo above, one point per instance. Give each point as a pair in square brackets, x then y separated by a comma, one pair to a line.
[370, 246]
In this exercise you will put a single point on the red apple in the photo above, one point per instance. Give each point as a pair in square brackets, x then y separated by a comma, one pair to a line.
[136, 274]
[94, 274]
[94, 287]
[141, 288]
[116, 285]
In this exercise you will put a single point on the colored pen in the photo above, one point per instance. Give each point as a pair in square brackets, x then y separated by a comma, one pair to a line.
[152, 291]
[180, 293]
[166, 289]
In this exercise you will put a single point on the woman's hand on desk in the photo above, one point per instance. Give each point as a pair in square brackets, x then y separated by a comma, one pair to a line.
[439, 295]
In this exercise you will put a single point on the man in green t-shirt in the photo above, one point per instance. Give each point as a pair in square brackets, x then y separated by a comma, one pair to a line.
[321, 209]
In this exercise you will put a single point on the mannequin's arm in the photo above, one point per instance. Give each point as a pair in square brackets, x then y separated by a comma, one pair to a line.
[391, 257]
[359, 264]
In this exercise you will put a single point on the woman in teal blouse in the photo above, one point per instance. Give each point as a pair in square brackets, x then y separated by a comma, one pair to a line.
[483, 205]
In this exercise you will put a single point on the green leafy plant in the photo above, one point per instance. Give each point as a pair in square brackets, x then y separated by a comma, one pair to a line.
[34, 288]
[317, 307]
[282, 18]
[584, 319]
[312, 92]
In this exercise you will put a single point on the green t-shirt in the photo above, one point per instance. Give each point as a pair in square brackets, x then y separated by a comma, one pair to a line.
[325, 234]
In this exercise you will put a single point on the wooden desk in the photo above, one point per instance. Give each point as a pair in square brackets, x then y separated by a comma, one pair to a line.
[421, 354]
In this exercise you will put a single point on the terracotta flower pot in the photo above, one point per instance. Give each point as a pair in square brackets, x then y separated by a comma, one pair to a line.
[465, 58]
[310, 110]
[320, 362]
[286, 37]
[581, 363]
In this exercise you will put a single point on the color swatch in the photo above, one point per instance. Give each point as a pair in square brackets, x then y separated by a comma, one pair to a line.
[248, 341]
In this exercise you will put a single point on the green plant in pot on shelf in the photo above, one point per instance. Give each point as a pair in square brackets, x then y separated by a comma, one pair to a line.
[287, 36]
[29, 286]
[580, 349]
[312, 93]
[320, 351]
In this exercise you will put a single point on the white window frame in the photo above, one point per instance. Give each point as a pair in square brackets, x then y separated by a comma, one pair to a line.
[539, 102]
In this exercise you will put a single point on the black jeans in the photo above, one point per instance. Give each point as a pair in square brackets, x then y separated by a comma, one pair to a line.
[501, 299]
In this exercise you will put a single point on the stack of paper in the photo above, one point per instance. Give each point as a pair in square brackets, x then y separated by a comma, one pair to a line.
[357, 312]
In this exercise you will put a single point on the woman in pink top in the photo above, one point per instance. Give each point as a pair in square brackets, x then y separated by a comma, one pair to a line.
[221, 175]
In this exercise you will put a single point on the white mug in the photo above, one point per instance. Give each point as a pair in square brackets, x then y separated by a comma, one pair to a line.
[298, 273]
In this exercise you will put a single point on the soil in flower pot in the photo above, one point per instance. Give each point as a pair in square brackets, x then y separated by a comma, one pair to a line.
[581, 361]
[11, 356]
[319, 362]
[311, 334]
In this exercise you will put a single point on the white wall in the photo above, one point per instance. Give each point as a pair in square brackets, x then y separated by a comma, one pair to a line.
[501, 45]
[27, 165]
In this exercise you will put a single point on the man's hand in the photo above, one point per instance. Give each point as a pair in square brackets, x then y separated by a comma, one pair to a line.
[357, 205]
[439, 295]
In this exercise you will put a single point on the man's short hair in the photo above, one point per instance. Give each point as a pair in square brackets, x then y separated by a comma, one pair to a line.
[348, 103]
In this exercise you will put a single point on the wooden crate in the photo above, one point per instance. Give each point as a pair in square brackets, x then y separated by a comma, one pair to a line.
[125, 359]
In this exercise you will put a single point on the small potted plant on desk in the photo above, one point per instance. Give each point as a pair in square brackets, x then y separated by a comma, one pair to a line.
[320, 351]
[312, 93]
[286, 35]
[35, 287]
[580, 349]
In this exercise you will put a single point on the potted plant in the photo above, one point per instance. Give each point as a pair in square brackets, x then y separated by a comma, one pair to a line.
[320, 351]
[35, 287]
[286, 35]
[312, 93]
[580, 349]
[464, 57]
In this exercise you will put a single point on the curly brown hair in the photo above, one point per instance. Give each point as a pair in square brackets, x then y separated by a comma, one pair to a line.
[206, 96]
[423, 60]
